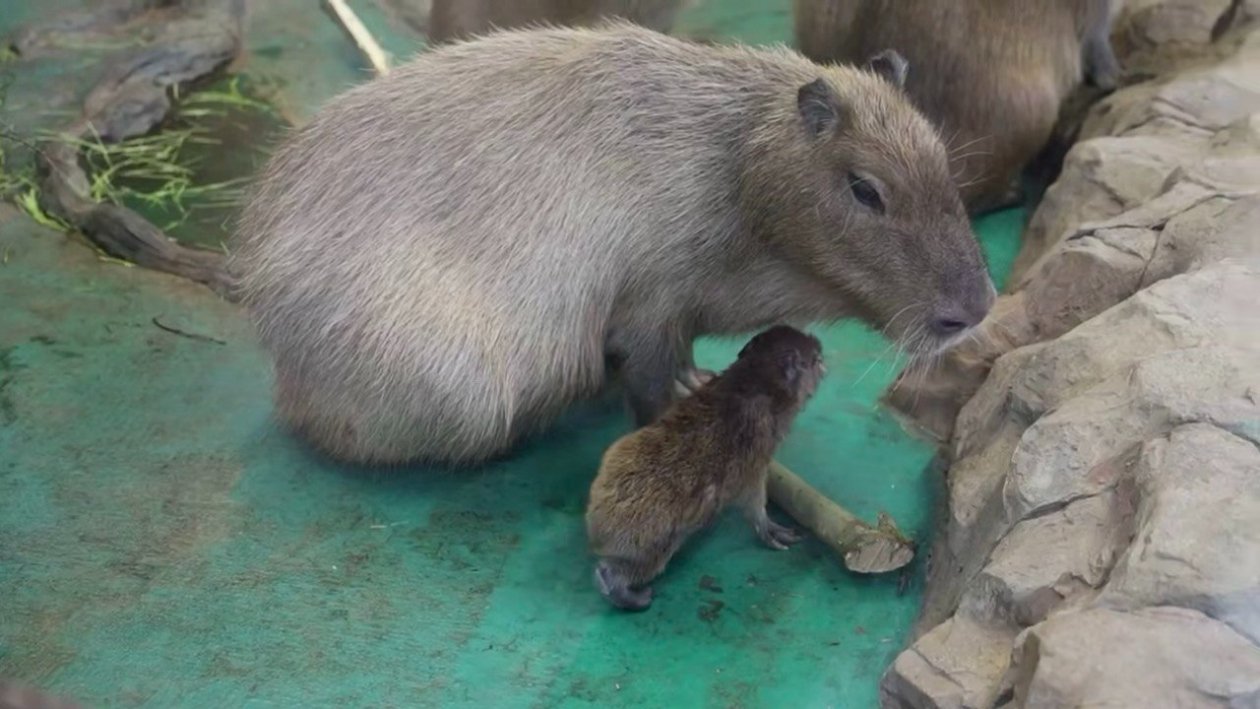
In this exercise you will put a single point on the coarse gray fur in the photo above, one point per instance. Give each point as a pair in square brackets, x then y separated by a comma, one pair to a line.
[462, 19]
[446, 257]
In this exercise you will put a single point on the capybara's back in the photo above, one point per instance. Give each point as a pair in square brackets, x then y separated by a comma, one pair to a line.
[461, 19]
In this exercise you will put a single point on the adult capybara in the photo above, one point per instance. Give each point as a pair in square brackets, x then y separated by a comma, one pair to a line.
[445, 258]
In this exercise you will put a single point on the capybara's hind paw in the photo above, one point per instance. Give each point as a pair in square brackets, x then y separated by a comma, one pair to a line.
[776, 536]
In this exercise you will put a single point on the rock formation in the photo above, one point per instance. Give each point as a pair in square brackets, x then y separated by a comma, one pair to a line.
[1102, 542]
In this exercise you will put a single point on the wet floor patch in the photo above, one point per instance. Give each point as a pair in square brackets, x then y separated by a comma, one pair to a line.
[190, 176]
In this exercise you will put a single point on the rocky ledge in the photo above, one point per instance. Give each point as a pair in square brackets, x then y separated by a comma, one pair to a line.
[1102, 540]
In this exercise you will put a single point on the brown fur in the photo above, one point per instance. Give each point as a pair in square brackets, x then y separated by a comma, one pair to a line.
[461, 19]
[662, 483]
[990, 73]
[445, 258]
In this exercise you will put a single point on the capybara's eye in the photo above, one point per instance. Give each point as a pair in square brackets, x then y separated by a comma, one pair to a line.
[865, 192]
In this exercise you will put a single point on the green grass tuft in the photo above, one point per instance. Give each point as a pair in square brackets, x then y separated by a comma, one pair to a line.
[18, 185]
[156, 171]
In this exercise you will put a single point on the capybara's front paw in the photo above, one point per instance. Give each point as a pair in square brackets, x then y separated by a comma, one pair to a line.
[691, 379]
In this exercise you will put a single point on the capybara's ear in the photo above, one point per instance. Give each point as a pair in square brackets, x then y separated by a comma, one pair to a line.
[819, 108]
[890, 66]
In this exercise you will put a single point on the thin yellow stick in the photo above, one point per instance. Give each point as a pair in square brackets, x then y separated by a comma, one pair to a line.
[377, 57]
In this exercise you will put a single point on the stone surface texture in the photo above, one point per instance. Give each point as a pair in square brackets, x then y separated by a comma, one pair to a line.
[1102, 541]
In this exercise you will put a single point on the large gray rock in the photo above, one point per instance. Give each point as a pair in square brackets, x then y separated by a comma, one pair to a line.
[1065, 460]
[1101, 546]
[1137, 138]
[1101, 264]
[1075, 548]
[1159, 27]
[957, 665]
[1189, 497]
[1066, 455]
[1155, 657]
[1102, 178]
[1134, 139]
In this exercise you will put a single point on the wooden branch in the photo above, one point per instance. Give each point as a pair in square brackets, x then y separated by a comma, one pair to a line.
[865, 549]
[350, 22]
[118, 231]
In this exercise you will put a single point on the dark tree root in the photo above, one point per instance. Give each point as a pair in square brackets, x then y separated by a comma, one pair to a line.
[133, 98]
[119, 231]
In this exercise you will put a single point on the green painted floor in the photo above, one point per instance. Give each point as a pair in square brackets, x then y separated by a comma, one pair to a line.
[163, 543]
